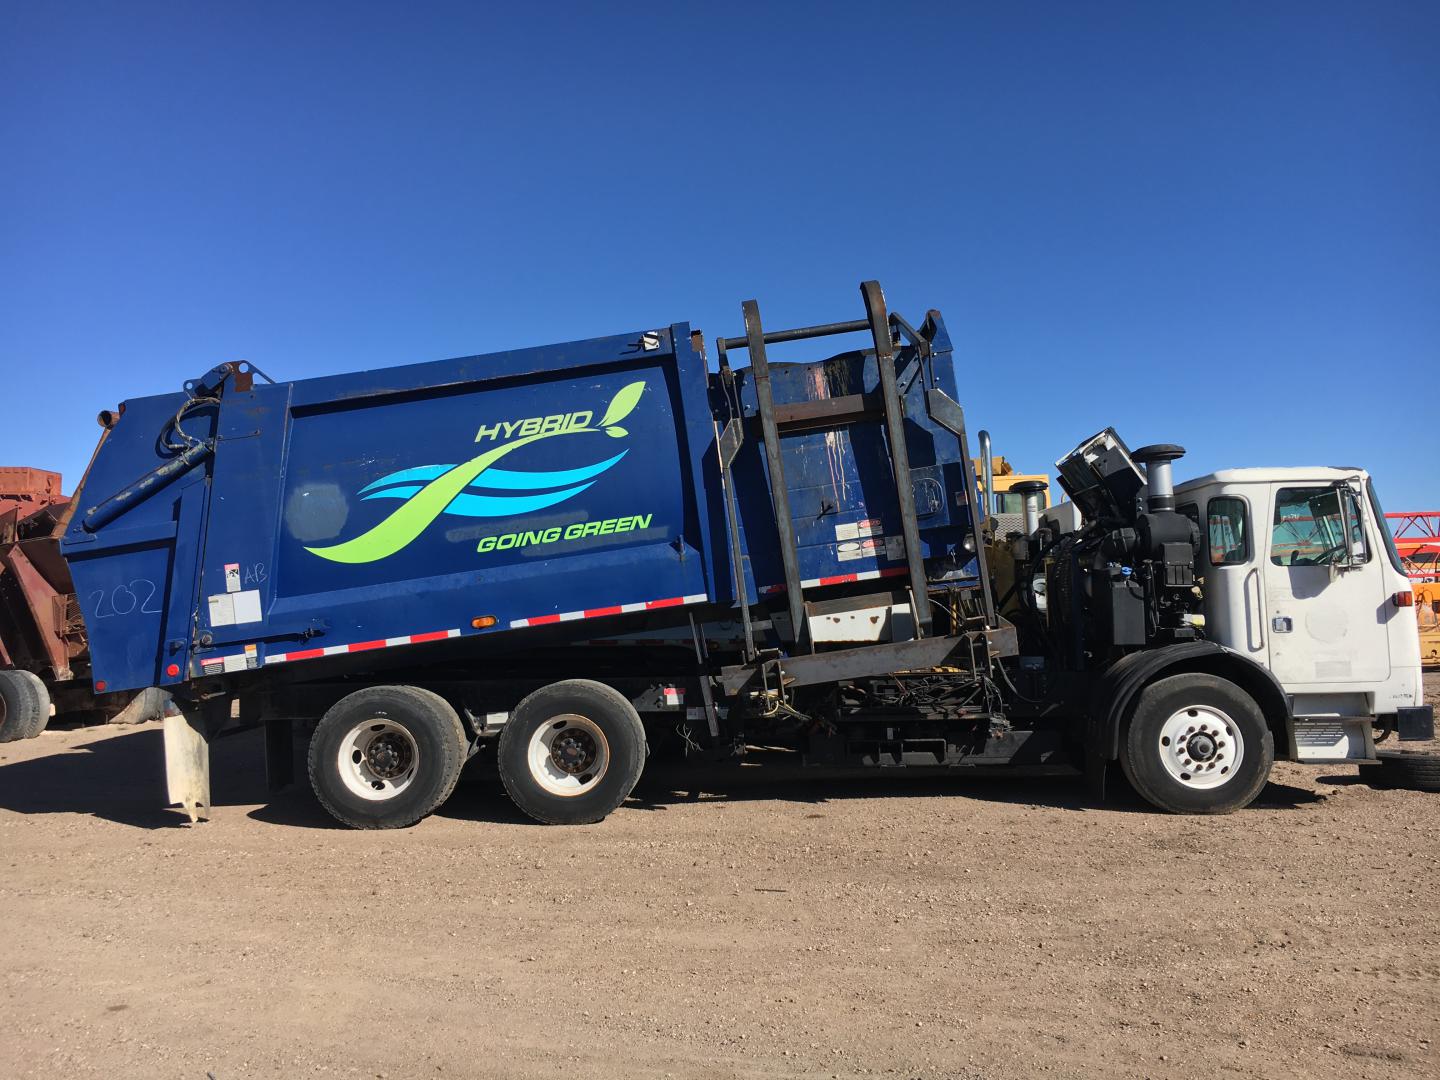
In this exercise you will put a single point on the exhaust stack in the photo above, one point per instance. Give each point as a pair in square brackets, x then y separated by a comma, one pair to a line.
[1158, 479]
[1030, 491]
[987, 474]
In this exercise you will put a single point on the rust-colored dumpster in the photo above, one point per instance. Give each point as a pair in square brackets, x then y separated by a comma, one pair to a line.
[40, 625]
[44, 652]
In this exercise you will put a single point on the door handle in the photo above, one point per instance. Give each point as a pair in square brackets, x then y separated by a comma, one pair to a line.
[1255, 628]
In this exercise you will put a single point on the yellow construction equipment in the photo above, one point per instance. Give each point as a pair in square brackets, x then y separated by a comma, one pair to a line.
[1427, 613]
[997, 485]
[1416, 534]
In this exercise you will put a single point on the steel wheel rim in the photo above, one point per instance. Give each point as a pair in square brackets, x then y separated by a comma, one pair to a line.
[378, 759]
[1201, 747]
[568, 755]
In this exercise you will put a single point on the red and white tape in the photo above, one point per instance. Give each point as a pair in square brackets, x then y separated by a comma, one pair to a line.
[841, 579]
[361, 646]
[617, 609]
[441, 635]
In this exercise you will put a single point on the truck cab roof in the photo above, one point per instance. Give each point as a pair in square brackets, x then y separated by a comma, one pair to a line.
[1310, 473]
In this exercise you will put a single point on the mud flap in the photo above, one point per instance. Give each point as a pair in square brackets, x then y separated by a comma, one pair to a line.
[1416, 724]
[187, 762]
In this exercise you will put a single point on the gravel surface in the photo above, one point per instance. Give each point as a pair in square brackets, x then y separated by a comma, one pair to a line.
[770, 925]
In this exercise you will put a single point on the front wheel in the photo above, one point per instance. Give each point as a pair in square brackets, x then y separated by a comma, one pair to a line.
[571, 752]
[1197, 744]
[386, 756]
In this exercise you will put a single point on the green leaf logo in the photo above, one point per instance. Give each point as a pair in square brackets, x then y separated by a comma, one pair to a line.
[616, 432]
[623, 404]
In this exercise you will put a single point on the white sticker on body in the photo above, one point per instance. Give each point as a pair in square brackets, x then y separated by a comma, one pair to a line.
[247, 606]
[232, 577]
[854, 530]
[222, 609]
[875, 547]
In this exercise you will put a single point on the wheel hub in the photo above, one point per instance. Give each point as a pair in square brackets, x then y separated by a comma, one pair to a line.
[568, 755]
[1201, 746]
[378, 759]
[573, 751]
[389, 756]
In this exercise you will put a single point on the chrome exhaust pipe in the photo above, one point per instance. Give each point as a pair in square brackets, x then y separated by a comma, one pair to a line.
[1159, 479]
[1030, 490]
[987, 474]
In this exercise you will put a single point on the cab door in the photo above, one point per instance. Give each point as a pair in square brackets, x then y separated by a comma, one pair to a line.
[1324, 590]
[1230, 564]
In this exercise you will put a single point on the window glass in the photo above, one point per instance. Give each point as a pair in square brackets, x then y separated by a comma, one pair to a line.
[1227, 523]
[1010, 502]
[1309, 527]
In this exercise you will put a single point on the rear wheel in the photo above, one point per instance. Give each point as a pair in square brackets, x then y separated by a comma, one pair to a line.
[24, 705]
[571, 752]
[386, 756]
[1197, 744]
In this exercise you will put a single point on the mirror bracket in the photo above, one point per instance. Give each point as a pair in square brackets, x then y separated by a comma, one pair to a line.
[1348, 523]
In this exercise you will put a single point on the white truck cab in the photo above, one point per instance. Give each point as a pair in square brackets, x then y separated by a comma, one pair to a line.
[1301, 575]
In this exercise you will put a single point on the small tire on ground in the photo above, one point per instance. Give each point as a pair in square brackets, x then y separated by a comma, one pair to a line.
[1412, 770]
[1140, 750]
[432, 745]
[606, 728]
[24, 705]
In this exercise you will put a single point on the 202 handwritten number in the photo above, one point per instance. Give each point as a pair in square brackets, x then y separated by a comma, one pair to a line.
[131, 598]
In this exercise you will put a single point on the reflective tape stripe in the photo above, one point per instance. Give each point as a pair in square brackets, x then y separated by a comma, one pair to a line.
[359, 646]
[441, 635]
[842, 579]
[614, 609]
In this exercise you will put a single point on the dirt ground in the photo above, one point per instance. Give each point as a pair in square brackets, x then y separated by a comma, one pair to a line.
[773, 926]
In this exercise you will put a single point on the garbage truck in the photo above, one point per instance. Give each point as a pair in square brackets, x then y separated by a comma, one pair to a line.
[563, 557]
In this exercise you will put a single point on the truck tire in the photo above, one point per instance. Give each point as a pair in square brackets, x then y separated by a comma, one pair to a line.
[1197, 744]
[24, 705]
[571, 752]
[1413, 770]
[386, 756]
[46, 705]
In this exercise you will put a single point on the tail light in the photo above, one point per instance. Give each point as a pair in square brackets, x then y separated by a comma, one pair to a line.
[1404, 599]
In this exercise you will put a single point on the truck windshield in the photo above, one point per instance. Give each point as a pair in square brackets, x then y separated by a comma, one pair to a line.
[1383, 526]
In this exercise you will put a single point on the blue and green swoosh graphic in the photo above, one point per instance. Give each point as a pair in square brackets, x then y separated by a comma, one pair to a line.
[570, 482]
[427, 491]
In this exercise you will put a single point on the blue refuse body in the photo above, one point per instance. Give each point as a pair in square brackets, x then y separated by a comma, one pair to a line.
[241, 524]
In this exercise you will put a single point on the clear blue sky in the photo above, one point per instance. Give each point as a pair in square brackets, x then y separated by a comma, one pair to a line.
[1215, 224]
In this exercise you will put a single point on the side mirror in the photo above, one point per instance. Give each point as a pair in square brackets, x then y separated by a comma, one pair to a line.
[1352, 521]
